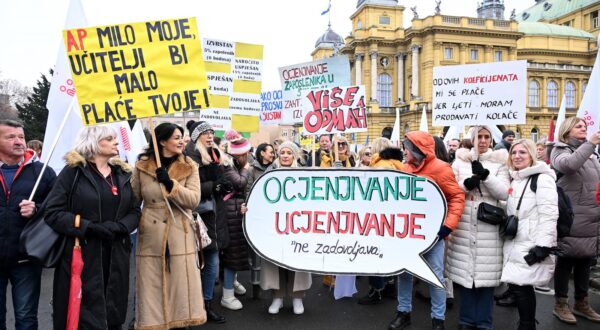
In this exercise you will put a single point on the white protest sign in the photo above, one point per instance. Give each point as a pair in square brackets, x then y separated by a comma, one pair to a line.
[271, 105]
[335, 110]
[479, 94]
[295, 79]
[367, 222]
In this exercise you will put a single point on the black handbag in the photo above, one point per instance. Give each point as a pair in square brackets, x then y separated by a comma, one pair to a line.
[491, 214]
[510, 228]
[39, 242]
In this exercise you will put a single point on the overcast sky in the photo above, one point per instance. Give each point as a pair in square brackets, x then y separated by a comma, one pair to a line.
[30, 30]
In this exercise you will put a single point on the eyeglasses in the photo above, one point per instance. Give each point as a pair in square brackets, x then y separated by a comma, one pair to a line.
[368, 154]
[342, 144]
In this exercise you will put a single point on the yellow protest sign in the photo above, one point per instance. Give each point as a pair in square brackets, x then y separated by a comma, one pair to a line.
[136, 70]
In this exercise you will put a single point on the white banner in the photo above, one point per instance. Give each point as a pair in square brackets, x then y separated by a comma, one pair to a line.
[324, 221]
[296, 79]
[589, 109]
[480, 94]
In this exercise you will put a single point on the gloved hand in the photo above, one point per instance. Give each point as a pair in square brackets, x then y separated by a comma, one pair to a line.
[444, 232]
[99, 231]
[537, 254]
[338, 164]
[471, 183]
[115, 227]
[223, 186]
[479, 170]
[163, 177]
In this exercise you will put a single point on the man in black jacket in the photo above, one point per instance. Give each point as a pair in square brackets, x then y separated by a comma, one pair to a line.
[19, 169]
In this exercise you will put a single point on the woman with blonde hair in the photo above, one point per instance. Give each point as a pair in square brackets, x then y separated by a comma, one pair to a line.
[527, 260]
[578, 173]
[345, 158]
[96, 186]
[364, 156]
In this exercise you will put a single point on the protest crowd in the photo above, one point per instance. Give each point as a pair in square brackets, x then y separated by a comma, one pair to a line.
[97, 201]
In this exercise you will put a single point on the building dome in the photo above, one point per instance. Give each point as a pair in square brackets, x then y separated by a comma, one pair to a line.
[329, 39]
[377, 2]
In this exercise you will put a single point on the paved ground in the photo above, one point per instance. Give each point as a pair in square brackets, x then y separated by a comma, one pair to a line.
[324, 312]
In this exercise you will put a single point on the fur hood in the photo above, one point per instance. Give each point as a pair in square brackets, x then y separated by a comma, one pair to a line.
[74, 159]
[179, 170]
[495, 156]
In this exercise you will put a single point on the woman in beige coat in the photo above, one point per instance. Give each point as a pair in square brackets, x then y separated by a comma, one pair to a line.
[168, 287]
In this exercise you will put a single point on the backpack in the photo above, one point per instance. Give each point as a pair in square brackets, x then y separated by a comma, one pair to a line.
[565, 209]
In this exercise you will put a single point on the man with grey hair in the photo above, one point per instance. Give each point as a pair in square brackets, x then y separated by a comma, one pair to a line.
[19, 169]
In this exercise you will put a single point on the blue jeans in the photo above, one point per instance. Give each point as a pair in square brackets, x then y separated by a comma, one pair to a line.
[210, 272]
[228, 278]
[476, 307]
[435, 259]
[25, 280]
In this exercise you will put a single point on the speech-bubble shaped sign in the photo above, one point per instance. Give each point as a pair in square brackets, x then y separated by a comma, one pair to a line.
[366, 222]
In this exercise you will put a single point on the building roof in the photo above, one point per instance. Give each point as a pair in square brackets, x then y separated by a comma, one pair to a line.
[546, 29]
[377, 2]
[551, 9]
[329, 39]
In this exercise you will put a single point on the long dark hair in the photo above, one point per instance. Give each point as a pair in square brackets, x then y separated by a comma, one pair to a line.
[262, 147]
[440, 149]
[163, 132]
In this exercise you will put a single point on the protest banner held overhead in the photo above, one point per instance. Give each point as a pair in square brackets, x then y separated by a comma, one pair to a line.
[129, 71]
[296, 79]
[589, 109]
[335, 110]
[270, 107]
[234, 73]
[479, 94]
[322, 221]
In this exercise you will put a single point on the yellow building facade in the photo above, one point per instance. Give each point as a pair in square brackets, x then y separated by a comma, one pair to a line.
[557, 38]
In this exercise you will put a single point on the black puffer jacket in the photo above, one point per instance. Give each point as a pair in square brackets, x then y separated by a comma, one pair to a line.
[209, 175]
[235, 252]
[101, 306]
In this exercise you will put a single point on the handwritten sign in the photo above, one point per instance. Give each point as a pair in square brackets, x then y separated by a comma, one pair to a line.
[271, 105]
[296, 79]
[335, 110]
[136, 70]
[479, 94]
[234, 73]
[323, 221]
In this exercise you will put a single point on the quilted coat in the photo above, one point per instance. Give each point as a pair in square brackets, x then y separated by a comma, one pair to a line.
[475, 247]
[537, 226]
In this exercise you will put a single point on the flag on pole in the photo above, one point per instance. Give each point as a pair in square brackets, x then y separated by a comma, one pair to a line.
[131, 141]
[562, 113]
[589, 109]
[327, 10]
[423, 126]
[396, 130]
[551, 131]
[61, 96]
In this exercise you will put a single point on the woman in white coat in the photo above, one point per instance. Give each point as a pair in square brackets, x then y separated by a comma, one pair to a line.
[474, 259]
[527, 260]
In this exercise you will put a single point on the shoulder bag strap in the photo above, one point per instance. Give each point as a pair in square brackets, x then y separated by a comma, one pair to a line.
[524, 188]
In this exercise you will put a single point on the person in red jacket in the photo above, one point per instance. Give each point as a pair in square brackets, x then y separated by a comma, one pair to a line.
[419, 153]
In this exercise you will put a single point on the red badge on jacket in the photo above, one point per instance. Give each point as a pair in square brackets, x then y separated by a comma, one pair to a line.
[598, 193]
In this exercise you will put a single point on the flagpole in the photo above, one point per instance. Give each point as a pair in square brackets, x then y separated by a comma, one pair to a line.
[51, 151]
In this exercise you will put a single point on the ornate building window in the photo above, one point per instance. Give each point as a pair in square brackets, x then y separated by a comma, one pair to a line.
[384, 20]
[534, 134]
[474, 54]
[359, 25]
[384, 90]
[448, 53]
[552, 94]
[534, 94]
[570, 94]
[498, 56]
